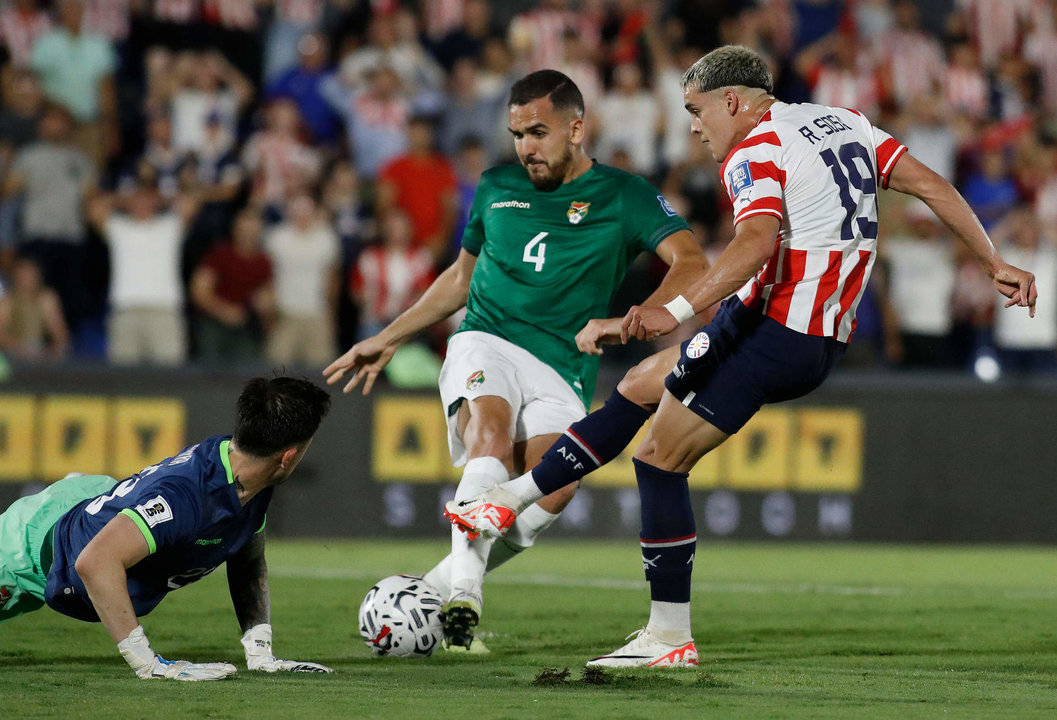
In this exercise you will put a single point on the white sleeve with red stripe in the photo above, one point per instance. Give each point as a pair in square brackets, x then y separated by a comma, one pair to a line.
[754, 177]
[889, 150]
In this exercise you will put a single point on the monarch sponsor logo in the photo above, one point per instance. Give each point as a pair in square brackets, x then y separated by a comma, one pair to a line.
[511, 204]
[577, 211]
[203, 541]
[155, 511]
[474, 381]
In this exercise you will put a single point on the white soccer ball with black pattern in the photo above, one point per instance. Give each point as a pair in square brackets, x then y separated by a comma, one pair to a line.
[400, 617]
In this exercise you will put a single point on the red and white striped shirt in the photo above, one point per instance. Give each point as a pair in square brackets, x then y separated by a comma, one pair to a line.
[995, 25]
[966, 91]
[19, 30]
[544, 29]
[837, 87]
[817, 169]
[387, 281]
[915, 64]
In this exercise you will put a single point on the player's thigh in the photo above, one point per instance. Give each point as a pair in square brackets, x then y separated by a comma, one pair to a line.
[678, 437]
[478, 367]
[644, 383]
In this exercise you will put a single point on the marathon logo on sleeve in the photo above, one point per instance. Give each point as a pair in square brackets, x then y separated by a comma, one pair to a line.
[155, 511]
[739, 177]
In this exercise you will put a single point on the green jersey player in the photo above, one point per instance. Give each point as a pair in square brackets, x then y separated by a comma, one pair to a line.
[547, 245]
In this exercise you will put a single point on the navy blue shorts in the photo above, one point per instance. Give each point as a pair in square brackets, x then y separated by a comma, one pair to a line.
[743, 360]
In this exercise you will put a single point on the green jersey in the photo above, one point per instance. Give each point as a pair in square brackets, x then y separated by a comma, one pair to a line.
[547, 262]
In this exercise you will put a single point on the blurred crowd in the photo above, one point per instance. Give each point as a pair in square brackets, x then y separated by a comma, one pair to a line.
[227, 181]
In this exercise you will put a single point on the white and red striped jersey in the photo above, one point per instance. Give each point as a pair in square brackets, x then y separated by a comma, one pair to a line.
[817, 169]
[388, 281]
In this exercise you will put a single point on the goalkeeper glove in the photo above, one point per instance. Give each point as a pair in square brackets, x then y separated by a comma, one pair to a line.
[258, 644]
[141, 657]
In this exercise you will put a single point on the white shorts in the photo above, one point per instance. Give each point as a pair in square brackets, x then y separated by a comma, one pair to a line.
[479, 364]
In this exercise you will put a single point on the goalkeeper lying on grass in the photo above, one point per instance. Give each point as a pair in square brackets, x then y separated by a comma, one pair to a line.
[100, 551]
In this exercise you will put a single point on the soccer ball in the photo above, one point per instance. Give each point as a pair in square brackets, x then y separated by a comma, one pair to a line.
[400, 617]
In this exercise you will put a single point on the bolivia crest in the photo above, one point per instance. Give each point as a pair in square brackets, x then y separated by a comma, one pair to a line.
[577, 211]
[475, 380]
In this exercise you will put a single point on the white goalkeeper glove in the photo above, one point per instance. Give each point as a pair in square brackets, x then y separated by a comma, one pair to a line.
[258, 644]
[141, 657]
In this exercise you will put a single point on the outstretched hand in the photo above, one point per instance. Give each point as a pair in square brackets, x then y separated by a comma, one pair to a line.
[647, 323]
[1017, 285]
[364, 360]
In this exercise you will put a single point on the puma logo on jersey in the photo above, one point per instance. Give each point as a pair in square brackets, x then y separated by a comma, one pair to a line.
[511, 204]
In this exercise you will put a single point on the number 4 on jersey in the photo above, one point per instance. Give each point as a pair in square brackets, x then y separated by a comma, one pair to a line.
[537, 258]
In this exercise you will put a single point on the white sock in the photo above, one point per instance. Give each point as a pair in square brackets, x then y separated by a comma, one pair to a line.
[529, 525]
[524, 487]
[468, 558]
[440, 577]
[670, 622]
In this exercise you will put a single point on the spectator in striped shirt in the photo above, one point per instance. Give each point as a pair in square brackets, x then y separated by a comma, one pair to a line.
[388, 278]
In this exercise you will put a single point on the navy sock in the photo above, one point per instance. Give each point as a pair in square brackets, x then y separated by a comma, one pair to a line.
[669, 536]
[590, 443]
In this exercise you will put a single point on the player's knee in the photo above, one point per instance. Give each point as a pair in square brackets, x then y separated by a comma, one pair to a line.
[486, 440]
[642, 385]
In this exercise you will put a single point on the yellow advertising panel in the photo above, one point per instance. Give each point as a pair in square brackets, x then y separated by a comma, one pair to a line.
[18, 421]
[145, 430]
[758, 457]
[830, 451]
[410, 442]
[73, 435]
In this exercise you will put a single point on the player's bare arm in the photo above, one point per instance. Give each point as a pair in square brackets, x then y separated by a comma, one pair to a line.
[912, 177]
[248, 584]
[752, 246]
[367, 358]
[102, 567]
[686, 263]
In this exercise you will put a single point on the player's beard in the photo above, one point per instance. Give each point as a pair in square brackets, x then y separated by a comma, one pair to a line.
[553, 179]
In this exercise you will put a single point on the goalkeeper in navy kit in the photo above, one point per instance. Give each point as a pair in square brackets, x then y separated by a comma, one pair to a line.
[98, 550]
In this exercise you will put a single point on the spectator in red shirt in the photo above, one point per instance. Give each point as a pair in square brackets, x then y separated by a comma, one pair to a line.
[231, 290]
[422, 183]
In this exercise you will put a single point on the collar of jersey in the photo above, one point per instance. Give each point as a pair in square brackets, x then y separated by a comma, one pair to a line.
[225, 460]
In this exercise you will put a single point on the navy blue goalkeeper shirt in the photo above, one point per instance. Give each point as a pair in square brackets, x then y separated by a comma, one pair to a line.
[187, 508]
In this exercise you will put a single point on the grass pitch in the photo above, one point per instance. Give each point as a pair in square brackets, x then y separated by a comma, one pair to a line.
[784, 631]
